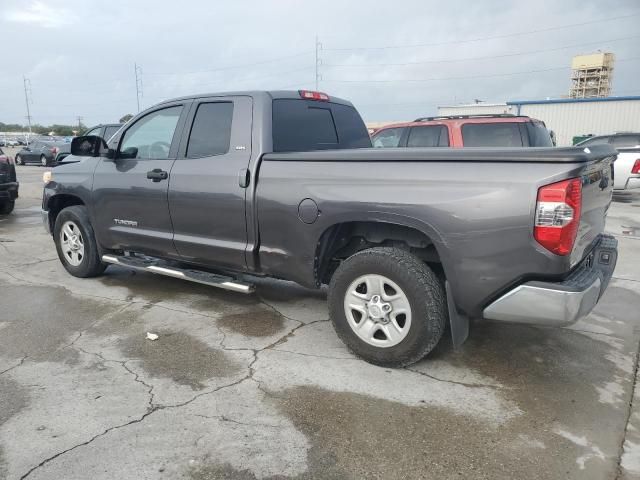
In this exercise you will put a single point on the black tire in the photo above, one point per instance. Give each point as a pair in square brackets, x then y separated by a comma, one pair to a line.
[19, 160]
[7, 206]
[90, 265]
[420, 285]
[43, 161]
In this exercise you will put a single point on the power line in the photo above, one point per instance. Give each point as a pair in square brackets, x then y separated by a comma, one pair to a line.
[231, 67]
[454, 60]
[492, 37]
[491, 75]
[318, 62]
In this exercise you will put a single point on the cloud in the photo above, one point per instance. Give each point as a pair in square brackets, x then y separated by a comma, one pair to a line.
[42, 15]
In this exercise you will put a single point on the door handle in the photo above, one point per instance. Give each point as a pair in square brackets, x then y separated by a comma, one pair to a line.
[157, 174]
[244, 178]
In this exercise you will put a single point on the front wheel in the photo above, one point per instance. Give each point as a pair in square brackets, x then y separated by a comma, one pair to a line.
[387, 306]
[19, 160]
[43, 160]
[76, 243]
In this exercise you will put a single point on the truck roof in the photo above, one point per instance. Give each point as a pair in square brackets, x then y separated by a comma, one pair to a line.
[264, 95]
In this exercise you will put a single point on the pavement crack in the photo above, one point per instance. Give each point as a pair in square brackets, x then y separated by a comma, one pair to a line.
[231, 420]
[95, 437]
[314, 355]
[463, 384]
[619, 472]
[19, 364]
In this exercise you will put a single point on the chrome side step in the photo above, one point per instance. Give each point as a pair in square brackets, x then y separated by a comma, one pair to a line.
[160, 267]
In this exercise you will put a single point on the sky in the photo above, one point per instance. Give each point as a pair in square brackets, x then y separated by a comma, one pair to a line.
[394, 60]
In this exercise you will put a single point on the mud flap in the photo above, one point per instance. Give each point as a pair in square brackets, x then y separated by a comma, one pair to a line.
[459, 323]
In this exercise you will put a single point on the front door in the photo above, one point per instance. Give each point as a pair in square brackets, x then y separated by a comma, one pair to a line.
[207, 189]
[130, 192]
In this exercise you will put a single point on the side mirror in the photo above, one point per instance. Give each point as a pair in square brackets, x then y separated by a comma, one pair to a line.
[90, 146]
[131, 152]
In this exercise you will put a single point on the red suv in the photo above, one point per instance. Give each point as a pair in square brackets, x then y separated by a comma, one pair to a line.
[466, 131]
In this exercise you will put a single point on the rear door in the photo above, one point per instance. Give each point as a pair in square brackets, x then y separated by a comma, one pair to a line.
[130, 201]
[208, 183]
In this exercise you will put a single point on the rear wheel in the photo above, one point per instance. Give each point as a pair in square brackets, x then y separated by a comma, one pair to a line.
[7, 206]
[19, 160]
[43, 160]
[76, 244]
[387, 306]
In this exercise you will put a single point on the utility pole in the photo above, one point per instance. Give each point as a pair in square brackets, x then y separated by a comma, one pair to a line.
[79, 122]
[138, 72]
[318, 62]
[27, 91]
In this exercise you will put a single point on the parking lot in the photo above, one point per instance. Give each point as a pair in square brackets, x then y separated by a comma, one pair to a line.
[259, 386]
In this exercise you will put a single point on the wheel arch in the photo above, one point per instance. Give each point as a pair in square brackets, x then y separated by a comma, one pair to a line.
[57, 203]
[344, 238]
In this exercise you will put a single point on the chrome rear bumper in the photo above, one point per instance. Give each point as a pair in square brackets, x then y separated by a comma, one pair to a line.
[561, 303]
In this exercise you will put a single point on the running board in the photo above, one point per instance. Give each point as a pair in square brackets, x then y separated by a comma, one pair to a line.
[160, 267]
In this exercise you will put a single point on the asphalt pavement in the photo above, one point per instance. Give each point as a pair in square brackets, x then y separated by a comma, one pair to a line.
[259, 386]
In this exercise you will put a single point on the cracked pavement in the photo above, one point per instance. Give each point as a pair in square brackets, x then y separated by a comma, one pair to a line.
[260, 386]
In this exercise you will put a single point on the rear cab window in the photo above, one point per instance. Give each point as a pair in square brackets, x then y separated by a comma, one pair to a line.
[305, 125]
[428, 136]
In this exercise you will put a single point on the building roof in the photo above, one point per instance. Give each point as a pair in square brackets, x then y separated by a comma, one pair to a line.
[573, 100]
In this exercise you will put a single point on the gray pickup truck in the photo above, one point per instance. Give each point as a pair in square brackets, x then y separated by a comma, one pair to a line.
[219, 188]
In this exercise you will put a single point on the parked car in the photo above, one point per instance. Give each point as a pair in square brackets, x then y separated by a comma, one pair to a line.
[105, 131]
[42, 152]
[284, 185]
[8, 184]
[466, 131]
[627, 165]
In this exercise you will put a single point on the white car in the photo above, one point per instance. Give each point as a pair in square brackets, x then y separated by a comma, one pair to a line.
[626, 168]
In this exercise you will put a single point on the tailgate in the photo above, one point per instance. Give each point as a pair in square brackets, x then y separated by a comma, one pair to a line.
[597, 191]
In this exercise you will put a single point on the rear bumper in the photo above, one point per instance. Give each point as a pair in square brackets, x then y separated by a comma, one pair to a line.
[561, 303]
[9, 190]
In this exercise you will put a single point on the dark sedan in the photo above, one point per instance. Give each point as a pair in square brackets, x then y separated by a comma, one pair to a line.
[42, 152]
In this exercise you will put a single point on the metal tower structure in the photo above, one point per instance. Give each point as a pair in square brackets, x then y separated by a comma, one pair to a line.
[591, 75]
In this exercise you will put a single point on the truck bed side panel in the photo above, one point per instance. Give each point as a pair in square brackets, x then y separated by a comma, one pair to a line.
[479, 216]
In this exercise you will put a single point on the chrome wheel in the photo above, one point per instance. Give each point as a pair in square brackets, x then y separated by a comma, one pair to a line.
[72, 243]
[378, 311]
[18, 159]
[43, 161]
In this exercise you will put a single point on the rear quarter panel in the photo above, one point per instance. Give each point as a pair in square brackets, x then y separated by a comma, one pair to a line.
[478, 215]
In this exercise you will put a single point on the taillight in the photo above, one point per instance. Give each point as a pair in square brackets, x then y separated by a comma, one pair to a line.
[558, 215]
[636, 167]
[309, 95]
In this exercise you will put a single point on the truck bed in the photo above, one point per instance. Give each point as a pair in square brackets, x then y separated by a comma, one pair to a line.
[478, 218]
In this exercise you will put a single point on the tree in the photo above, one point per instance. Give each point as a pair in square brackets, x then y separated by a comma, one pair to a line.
[126, 118]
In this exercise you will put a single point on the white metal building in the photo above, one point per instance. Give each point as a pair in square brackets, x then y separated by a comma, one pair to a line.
[567, 117]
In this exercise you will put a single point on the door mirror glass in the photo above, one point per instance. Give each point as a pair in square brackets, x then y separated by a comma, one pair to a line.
[89, 146]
